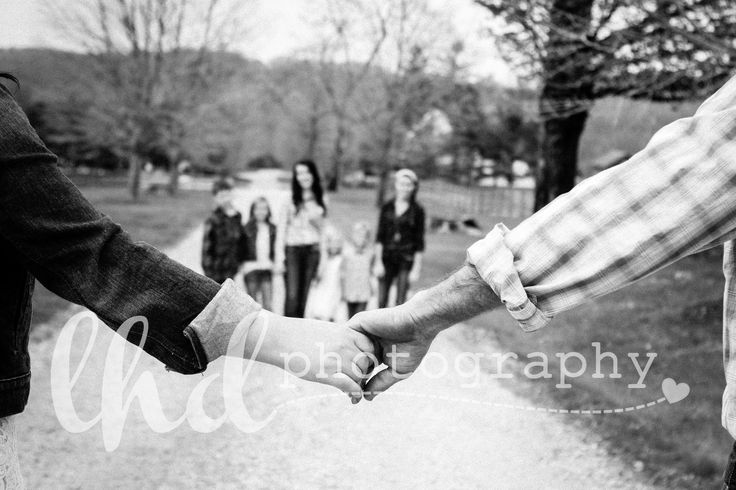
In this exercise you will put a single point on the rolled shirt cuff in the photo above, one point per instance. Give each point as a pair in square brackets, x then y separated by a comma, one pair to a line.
[230, 309]
[494, 262]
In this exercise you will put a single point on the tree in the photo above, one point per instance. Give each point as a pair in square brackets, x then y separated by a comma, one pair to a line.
[396, 96]
[155, 63]
[343, 64]
[296, 88]
[578, 51]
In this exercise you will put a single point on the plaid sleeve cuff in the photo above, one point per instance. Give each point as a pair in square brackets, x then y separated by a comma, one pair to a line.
[494, 261]
[231, 308]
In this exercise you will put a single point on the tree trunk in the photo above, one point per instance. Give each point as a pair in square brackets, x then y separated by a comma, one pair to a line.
[134, 176]
[560, 153]
[173, 187]
[566, 94]
[312, 135]
[338, 154]
[385, 163]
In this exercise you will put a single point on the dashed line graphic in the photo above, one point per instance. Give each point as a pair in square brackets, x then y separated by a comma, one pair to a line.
[673, 392]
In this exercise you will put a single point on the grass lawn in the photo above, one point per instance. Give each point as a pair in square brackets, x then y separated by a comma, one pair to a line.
[675, 313]
[156, 219]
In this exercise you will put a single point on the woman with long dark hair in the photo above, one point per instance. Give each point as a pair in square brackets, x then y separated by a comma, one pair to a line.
[300, 235]
[400, 239]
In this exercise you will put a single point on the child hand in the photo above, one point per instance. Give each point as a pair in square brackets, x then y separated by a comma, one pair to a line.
[314, 350]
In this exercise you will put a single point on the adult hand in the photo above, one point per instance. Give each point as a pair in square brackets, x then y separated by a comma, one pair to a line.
[404, 333]
[402, 344]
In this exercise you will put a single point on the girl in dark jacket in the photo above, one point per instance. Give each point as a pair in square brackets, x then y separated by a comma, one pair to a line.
[400, 239]
[257, 252]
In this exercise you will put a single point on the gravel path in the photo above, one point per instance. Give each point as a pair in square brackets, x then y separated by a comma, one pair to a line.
[427, 433]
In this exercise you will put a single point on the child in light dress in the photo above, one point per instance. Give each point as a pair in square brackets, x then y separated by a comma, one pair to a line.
[357, 264]
[325, 297]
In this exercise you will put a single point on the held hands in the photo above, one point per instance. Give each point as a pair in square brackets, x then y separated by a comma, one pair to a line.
[313, 350]
[398, 337]
[403, 334]
[402, 344]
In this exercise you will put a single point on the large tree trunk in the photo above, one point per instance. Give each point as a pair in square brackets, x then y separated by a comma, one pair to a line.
[566, 94]
[560, 147]
[134, 176]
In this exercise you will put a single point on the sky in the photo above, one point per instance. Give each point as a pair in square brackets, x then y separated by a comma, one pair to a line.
[281, 29]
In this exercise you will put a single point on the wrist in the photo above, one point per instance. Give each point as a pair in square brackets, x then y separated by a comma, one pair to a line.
[459, 297]
[264, 340]
[423, 313]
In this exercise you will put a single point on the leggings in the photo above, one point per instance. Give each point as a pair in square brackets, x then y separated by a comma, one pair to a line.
[301, 267]
[356, 307]
[260, 282]
[396, 268]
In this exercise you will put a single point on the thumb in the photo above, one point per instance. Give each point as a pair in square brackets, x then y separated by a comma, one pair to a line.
[343, 383]
[380, 383]
[367, 322]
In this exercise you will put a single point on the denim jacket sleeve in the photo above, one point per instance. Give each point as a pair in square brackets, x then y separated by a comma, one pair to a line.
[86, 258]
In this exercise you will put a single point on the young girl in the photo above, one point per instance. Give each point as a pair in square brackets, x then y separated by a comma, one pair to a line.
[257, 252]
[326, 296]
[357, 262]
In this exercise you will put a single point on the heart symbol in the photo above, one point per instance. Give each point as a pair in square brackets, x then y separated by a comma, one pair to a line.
[674, 392]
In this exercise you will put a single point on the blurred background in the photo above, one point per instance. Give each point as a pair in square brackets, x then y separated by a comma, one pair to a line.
[499, 106]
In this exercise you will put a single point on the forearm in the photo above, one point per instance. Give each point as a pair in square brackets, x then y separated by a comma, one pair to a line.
[460, 297]
[268, 338]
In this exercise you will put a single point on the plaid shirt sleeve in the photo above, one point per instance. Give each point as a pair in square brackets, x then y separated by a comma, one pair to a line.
[675, 197]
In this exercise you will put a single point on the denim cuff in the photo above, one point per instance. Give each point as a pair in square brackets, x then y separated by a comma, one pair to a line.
[14, 394]
[494, 262]
[215, 325]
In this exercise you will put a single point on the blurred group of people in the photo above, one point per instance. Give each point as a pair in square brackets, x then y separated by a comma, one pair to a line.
[326, 272]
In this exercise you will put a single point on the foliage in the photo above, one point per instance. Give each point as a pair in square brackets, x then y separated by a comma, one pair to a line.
[578, 51]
